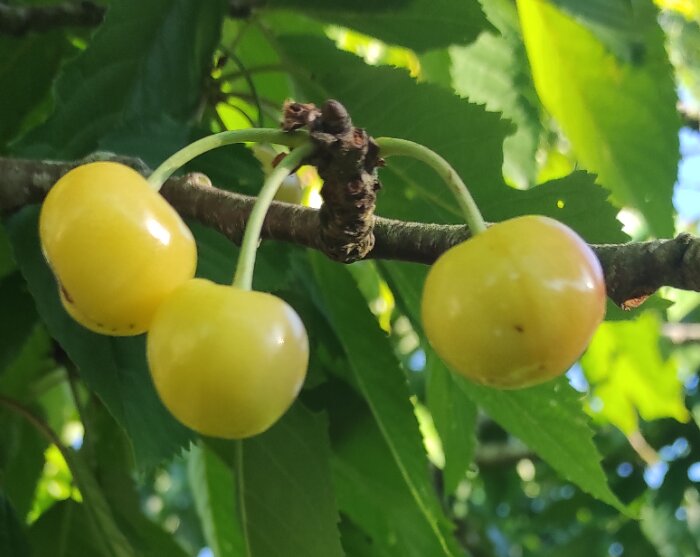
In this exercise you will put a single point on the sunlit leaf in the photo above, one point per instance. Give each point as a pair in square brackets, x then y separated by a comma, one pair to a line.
[630, 377]
[602, 103]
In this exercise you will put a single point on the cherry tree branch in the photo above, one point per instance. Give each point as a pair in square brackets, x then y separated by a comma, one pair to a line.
[18, 20]
[633, 270]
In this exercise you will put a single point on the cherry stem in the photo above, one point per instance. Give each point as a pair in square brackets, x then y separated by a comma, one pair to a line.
[251, 237]
[196, 148]
[390, 146]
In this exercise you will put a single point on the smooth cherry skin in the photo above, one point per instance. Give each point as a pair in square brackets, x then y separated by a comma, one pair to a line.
[227, 362]
[516, 305]
[116, 247]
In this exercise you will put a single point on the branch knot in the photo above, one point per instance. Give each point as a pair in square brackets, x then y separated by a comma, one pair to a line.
[346, 158]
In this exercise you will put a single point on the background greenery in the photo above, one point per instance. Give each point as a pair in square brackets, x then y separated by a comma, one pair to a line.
[555, 107]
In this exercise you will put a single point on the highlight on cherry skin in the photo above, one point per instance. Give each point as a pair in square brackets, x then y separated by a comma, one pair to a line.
[516, 305]
[226, 362]
[115, 246]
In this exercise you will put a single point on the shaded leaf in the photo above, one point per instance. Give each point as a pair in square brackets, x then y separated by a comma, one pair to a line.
[603, 12]
[494, 71]
[27, 68]
[468, 136]
[33, 362]
[13, 541]
[416, 24]
[65, 530]
[291, 458]
[7, 263]
[455, 416]
[17, 304]
[254, 50]
[21, 462]
[284, 485]
[110, 451]
[357, 544]
[369, 484]
[383, 384]
[550, 420]
[98, 510]
[669, 536]
[576, 200]
[214, 491]
[147, 61]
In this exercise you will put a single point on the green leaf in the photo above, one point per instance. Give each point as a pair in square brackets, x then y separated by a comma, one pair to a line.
[254, 50]
[576, 200]
[603, 12]
[383, 384]
[98, 510]
[7, 263]
[13, 541]
[146, 62]
[602, 103]
[369, 484]
[284, 484]
[357, 544]
[21, 462]
[291, 459]
[33, 362]
[455, 416]
[468, 136]
[110, 452]
[669, 536]
[494, 71]
[115, 368]
[65, 530]
[630, 375]
[613, 23]
[550, 420]
[416, 24]
[214, 491]
[27, 69]
[19, 306]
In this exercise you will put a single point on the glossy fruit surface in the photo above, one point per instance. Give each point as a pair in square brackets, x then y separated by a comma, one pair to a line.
[116, 247]
[516, 305]
[227, 362]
